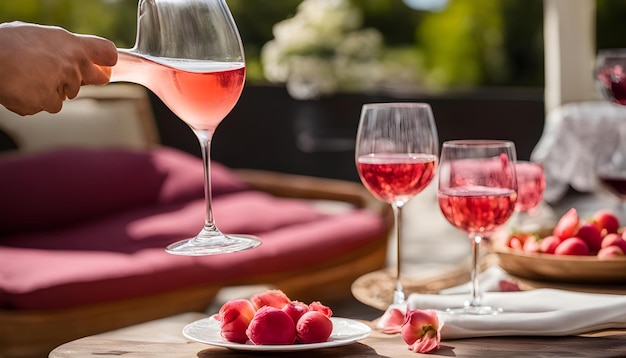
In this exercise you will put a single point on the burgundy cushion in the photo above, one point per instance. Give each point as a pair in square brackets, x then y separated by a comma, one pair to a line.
[60, 274]
[57, 188]
[247, 212]
[118, 253]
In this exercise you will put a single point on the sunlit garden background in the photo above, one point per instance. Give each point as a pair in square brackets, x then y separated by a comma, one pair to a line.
[323, 46]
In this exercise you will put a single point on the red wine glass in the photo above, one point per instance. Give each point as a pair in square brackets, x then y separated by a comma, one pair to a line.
[189, 53]
[611, 171]
[610, 74]
[477, 194]
[611, 79]
[396, 158]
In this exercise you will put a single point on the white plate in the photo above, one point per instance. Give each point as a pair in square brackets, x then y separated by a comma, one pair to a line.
[345, 331]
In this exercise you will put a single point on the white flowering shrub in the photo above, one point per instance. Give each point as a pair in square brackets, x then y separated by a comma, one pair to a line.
[322, 49]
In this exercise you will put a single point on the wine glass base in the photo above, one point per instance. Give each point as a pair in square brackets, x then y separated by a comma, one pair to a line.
[222, 244]
[398, 297]
[474, 310]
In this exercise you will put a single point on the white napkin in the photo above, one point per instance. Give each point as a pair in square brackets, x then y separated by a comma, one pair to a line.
[540, 312]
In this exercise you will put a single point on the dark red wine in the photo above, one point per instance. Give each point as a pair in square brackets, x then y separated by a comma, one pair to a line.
[613, 83]
[616, 185]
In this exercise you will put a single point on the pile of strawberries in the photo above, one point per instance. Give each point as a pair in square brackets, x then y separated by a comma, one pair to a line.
[599, 235]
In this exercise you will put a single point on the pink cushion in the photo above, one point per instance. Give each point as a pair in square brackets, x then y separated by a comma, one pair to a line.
[57, 188]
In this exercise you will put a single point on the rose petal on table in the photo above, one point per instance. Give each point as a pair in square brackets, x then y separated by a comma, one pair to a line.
[391, 321]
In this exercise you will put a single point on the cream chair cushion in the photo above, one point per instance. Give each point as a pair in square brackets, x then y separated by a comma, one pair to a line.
[114, 115]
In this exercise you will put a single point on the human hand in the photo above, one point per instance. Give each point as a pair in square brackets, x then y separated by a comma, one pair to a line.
[41, 66]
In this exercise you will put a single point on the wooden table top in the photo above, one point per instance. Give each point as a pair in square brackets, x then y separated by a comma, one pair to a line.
[163, 338]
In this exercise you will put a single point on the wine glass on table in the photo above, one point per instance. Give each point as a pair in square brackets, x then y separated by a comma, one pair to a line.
[531, 184]
[477, 194]
[189, 53]
[396, 158]
[611, 171]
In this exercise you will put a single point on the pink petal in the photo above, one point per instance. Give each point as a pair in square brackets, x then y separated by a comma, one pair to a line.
[391, 322]
[426, 345]
[508, 286]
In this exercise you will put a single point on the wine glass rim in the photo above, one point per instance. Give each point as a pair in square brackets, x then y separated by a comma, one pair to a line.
[478, 142]
[397, 104]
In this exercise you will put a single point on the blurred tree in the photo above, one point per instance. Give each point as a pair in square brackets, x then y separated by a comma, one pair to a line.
[610, 27]
[468, 43]
[483, 42]
[113, 19]
[462, 43]
[523, 43]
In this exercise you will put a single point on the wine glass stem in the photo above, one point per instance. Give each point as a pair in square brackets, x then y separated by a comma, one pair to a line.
[475, 302]
[204, 137]
[398, 294]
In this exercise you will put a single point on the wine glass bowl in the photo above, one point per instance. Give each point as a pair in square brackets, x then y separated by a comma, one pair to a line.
[610, 74]
[396, 158]
[531, 183]
[477, 195]
[610, 169]
[189, 53]
[611, 174]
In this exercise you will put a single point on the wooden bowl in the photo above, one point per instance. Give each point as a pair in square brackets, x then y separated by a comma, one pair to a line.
[562, 268]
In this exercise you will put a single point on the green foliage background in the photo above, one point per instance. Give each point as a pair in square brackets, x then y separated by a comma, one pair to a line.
[470, 43]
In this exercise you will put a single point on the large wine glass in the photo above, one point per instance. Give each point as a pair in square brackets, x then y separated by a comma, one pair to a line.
[189, 53]
[396, 158]
[477, 194]
[610, 74]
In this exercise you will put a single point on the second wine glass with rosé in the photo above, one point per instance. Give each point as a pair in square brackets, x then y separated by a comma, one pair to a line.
[396, 157]
[477, 195]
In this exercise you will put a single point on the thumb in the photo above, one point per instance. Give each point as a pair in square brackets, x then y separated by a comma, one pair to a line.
[101, 51]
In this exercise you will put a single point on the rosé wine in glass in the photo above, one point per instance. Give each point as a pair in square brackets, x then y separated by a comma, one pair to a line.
[396, 158]
[201, 93]
[477, 195]
[477, 209]
[531, 183]
[396, 176]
